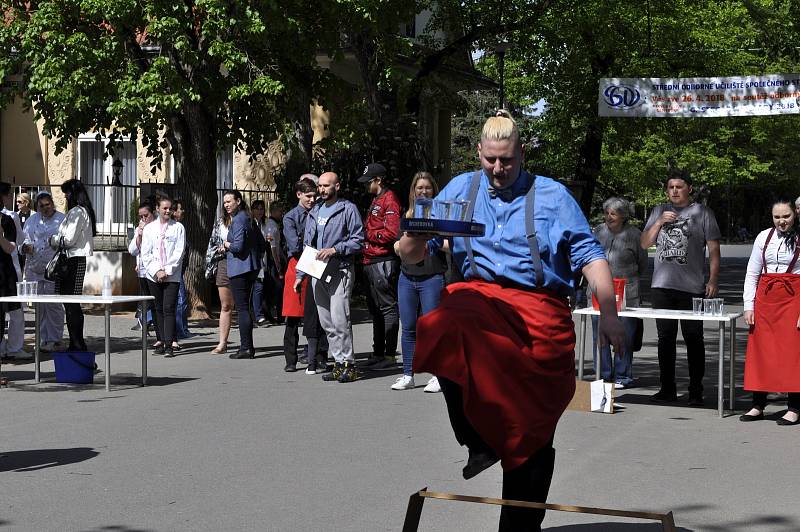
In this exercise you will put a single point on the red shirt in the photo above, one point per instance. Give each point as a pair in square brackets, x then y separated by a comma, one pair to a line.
[382, 227]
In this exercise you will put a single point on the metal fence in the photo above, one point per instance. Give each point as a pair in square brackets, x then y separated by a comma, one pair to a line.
[116, 206]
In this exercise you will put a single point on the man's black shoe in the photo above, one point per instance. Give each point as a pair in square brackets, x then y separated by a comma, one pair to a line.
[371, 361]
[349, 373]
[477, 462]
[663, 397]
[333, 375]
[169, 353]
[385, 364]
[696, 400]
[241, 355]
[290, 368]
[158, 350]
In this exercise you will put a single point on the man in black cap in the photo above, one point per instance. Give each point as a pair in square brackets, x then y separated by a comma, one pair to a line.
[381, 266]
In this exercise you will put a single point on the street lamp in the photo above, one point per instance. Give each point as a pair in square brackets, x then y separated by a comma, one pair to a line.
[116, 171]
[500, 47]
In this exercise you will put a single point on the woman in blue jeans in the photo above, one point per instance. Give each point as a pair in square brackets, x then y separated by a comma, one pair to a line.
[628, 261]
[418, 289]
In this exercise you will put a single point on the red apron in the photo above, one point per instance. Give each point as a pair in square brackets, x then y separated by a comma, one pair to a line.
[292, 301]
[512, 353]
[772, 362]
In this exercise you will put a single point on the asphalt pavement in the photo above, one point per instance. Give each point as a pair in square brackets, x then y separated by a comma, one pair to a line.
[213, 444]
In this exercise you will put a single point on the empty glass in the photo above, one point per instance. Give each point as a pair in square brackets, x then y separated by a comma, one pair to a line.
[21, 289]
[441, 209]
[719, 305]
[33, 288]
[463, 208]
[708, 307]
[697, 305]
[423, 208]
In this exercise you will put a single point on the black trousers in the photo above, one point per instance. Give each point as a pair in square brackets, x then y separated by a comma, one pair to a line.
[667, 338]
[73, 285]
[760, 401]
[242, 288]
[528, 482]
[291, 338]
[382, 304]
[166, 301]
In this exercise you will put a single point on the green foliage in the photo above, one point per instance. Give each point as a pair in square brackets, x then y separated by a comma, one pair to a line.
[560, 57]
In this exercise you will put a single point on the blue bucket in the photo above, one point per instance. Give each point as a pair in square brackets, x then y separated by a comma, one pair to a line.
[75, 366]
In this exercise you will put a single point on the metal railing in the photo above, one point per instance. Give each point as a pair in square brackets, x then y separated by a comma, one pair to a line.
[116, 206]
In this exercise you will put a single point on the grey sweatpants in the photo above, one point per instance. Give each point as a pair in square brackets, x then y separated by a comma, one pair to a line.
[333, 306]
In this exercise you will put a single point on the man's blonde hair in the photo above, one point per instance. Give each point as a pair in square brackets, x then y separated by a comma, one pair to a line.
[501, 126]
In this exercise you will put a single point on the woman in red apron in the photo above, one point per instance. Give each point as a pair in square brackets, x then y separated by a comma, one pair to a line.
[772, 310]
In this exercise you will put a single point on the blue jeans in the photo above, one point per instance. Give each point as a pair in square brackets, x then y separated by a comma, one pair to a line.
[412, 293]
[623, 365]
[181, 325]
[258, 299]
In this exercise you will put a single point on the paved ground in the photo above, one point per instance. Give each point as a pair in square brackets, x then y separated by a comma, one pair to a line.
[217, 444]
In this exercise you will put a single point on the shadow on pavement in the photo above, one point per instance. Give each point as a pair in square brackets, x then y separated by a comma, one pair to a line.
[48, 383]
[613, 527]
[119, 528]
[34, 460]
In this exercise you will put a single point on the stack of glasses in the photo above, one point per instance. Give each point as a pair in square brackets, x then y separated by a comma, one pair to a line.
[27, 288]
[708, 307]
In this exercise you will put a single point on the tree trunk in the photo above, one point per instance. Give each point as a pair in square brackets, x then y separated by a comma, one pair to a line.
[193, 148]
[589, 164]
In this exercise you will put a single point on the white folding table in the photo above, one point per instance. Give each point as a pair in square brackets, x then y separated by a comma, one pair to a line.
[107, 302]
[655, 313]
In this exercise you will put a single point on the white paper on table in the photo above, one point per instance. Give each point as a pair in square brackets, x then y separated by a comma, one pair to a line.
[310, 264]
[602, 396]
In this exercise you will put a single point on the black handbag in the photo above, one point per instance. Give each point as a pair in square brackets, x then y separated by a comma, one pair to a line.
[57, 269]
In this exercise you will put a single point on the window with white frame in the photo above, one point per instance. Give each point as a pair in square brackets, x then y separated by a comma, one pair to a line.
[96, 172]
[224, 168]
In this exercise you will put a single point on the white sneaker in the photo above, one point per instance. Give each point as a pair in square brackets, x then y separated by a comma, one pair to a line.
[310, 371]
[405, 382]
[432, 386]
[20, 355]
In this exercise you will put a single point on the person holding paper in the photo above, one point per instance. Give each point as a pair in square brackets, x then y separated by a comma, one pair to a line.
[502, 342]
[334, 228]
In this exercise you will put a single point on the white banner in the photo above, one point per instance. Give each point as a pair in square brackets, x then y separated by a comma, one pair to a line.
[772, 94]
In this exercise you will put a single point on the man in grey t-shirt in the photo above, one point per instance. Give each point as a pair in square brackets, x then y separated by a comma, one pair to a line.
[681, 231]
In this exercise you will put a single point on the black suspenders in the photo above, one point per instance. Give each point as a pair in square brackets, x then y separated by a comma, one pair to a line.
[530, 229]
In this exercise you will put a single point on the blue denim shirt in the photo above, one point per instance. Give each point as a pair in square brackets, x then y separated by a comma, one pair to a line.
[566, 242]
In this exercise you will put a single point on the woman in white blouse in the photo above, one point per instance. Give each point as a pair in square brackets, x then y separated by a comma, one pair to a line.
[772, 309]
[163, 244]
[75, 235]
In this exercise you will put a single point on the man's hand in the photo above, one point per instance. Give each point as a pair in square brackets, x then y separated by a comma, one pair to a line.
[297, 284]
[612, 332]
[27, 249]
[712, 289]
[160, 276]
[667, 217]
[750, 318]
[326, 253]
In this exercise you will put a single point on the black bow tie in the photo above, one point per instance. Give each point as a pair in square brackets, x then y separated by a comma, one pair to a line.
[505, 194]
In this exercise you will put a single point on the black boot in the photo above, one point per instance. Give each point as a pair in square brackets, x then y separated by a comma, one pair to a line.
[528, 482]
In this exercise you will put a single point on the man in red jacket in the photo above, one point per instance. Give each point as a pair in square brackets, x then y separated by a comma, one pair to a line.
[382, 267]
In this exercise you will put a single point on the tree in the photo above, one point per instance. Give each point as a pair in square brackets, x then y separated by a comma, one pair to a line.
[193, 76]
